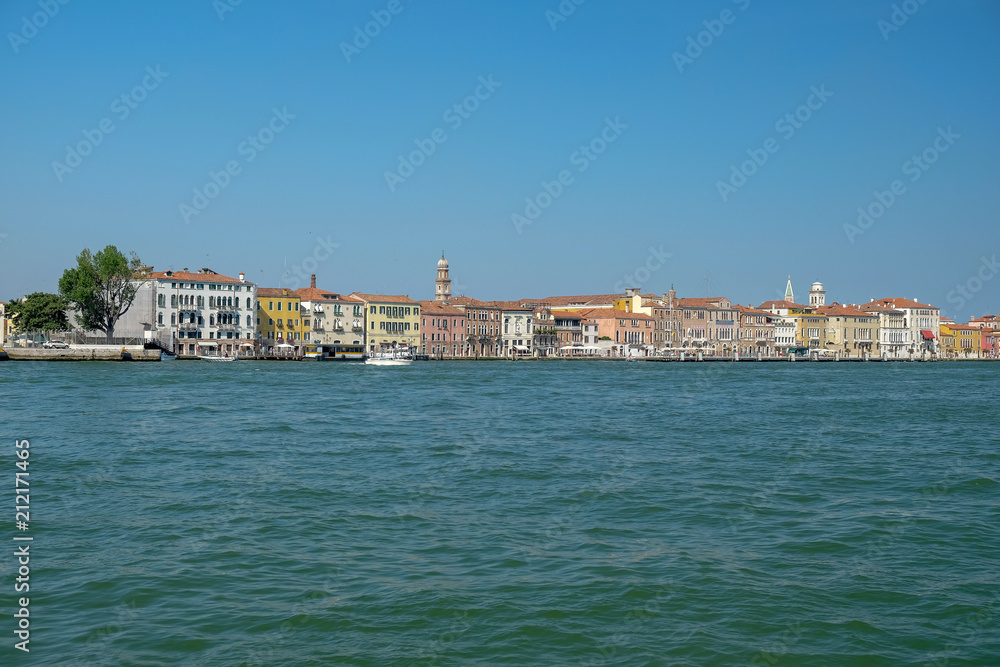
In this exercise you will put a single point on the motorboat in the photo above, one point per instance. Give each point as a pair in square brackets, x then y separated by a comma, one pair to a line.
[396, 356]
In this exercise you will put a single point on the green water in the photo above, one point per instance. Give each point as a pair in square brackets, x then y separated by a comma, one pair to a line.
[498, 513]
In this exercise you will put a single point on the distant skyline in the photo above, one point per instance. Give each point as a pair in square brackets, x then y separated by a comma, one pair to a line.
[718, 147]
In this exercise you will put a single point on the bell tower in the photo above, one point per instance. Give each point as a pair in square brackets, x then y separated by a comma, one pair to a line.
[442, 286]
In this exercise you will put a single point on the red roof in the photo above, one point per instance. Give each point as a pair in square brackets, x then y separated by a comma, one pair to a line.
[201, 276]
[894, 303]
[780, 304]
[381, 298]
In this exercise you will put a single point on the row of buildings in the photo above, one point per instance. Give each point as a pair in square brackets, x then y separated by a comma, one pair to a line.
[204, 312]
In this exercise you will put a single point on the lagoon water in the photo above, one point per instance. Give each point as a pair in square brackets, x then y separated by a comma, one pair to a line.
[499, 513]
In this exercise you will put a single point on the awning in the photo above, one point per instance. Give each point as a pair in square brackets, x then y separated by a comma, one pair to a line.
[521, 348]
[207, 345]
[927, 334]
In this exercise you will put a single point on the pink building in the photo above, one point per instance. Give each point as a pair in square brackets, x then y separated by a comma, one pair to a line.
[443, 330]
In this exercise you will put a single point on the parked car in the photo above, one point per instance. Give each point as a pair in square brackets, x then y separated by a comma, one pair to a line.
[55, 345]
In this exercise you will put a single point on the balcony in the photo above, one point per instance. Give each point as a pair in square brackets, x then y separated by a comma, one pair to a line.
[187, 326]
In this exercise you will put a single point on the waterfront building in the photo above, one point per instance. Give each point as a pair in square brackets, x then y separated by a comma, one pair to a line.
[990, 342]
[968, 341]
[482, 326]
[279, 321]
[390, 320]
[630, 333]
[785, 326]
[585, 301]
[850, 331]
[946, 340]
[659, 309]
[517, 331]
[757, 331]
[591, 332]
[442, 286]
[332, 323]
[442, 329]
[920, 320]
[544, 336]
[708, 324]
[203, 313]
[569, 329]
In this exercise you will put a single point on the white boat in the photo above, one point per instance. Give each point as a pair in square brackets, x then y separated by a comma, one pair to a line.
[398, 356]
[213, 358]
[166, 356]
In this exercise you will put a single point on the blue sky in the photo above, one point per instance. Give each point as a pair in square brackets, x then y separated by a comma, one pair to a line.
[555, 86]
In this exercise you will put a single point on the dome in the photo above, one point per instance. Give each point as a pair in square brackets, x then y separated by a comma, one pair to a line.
[442, 263]
[817, 286]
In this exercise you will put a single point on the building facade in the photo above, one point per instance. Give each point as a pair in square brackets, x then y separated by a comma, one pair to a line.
[920, 320]
[390, 321]
[850, 332]
[442, 330]
[482, 326]
[203, 313]
[279, 321]
[332, 323]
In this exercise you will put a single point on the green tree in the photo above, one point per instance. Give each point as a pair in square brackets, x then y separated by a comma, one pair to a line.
[39, 312]
[102, 287]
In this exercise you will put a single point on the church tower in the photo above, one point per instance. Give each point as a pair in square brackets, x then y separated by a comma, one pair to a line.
[817, 295]
[789, 295]
[442, 289]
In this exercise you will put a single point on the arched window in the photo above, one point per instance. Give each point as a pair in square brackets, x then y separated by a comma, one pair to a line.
[173, 318]
[211, 302]
[211, 319]
[248, 302]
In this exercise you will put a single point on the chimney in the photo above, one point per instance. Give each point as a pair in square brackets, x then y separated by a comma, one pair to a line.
[243, 277]
[312, 281]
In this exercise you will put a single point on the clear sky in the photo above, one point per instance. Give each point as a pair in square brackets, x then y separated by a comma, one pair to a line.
[665, 120]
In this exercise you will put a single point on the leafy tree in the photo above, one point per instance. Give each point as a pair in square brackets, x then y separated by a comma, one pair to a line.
[39, 312]
[102, 287]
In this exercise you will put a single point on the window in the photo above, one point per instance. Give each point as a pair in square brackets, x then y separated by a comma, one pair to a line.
[159, 318]
[270, 322]
[279, 321]
[248, 302]
[305, 323]
[211, 320]
[161, 300]
[173, 318]
[173, 300]
[279, 305]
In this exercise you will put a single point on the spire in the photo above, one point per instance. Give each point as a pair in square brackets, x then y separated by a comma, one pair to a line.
[789, 295]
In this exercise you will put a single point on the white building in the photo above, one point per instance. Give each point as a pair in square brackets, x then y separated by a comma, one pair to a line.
[201, 313]
[517, 328]
[920, 324]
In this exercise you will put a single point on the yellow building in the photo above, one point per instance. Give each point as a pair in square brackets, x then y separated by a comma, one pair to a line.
[810, 327]
[390, 321]
[946, 339]
[279, 320]
[849, 331]
[968, 341]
